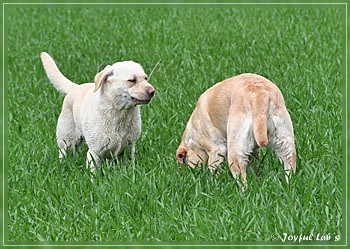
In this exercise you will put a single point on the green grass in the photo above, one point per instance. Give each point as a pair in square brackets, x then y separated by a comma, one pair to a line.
[300, 49]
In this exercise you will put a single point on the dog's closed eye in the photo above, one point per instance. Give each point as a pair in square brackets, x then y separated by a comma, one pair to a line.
[132, 80]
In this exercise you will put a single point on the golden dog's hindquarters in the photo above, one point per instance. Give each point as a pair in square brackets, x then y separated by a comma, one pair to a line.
[234, 119]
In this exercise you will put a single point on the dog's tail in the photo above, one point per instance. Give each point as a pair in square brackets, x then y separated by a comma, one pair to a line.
[260, 111]
[58, 80]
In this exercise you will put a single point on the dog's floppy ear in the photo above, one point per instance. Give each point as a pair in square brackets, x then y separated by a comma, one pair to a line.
[181, 154]
[102, 76]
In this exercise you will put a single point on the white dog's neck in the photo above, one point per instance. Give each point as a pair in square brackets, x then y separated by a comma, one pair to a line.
[115, 116]
[115, 120]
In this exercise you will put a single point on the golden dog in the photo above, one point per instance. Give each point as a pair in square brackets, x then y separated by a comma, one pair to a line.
[235, 118]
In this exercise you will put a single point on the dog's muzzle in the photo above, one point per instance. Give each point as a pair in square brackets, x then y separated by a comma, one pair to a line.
[140, 101]
[149, 95]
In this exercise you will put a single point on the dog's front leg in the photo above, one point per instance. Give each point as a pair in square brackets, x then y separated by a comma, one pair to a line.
[92, 160]
[132, 151]
[216, 157]
[214, 161]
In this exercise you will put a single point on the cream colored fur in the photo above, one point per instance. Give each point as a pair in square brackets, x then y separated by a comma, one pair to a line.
[106, 113]
[234, 119]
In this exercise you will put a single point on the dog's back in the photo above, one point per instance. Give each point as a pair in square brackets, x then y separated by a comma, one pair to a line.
[242, 95]
[262, 98]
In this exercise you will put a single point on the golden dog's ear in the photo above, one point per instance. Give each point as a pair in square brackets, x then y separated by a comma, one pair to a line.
[102, 76]
[181, 154]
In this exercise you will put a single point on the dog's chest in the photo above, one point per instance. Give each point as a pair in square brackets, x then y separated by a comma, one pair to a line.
[120, 130]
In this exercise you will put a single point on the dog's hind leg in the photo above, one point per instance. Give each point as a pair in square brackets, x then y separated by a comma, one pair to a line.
[238, 167]
[66, 133]
[240, 146]
[285, 150]
[282, 142]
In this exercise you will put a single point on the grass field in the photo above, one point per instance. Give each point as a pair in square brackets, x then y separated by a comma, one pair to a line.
[300, 49]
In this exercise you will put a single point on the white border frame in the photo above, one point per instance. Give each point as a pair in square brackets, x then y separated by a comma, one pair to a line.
[52, 244]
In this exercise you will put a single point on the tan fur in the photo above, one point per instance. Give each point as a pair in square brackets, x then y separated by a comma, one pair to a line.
[101, 77]
[234, 119]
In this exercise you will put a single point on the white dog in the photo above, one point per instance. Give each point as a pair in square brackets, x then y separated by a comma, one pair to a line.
[106, 114]
[234, 119]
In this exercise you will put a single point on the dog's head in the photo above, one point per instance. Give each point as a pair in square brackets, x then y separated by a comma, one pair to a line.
[191, 155]
[125, 83]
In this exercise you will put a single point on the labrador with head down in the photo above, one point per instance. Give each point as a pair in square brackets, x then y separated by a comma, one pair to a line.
[106, 113]
[232, 120]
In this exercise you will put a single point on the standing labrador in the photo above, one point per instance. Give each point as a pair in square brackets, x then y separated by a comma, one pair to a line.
[106, 114]
[234, 119]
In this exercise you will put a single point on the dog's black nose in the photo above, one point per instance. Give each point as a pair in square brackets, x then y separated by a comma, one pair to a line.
[151, 92]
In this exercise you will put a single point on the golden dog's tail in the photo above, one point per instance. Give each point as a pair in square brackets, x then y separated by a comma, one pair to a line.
[58, 80]
[260, 111]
